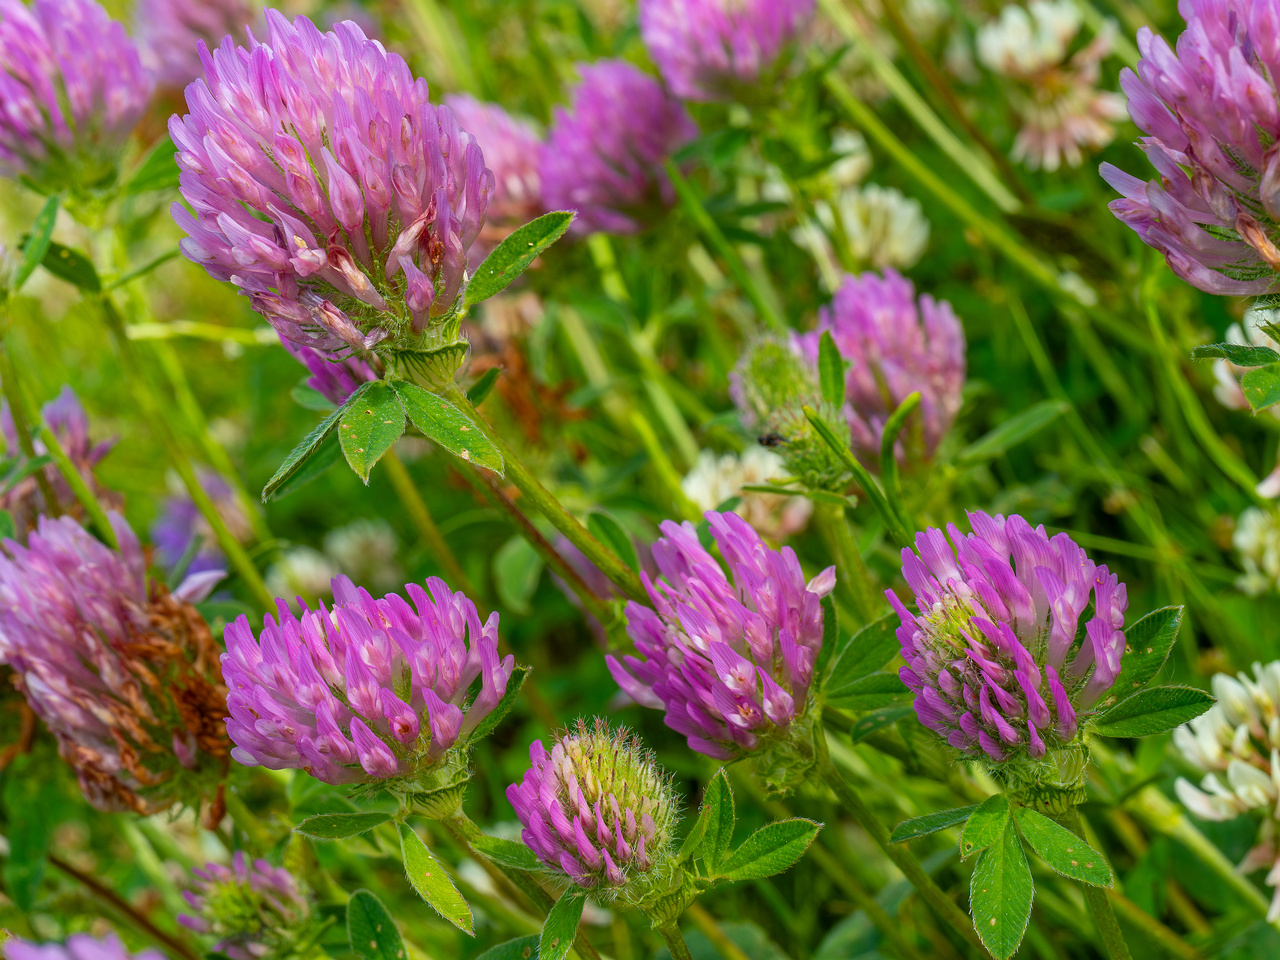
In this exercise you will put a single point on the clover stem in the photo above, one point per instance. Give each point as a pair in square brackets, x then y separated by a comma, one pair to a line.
[464, 830]
[853, 579]
[546, 503]
[674, 940]
[17, 410]
[416, 507]
[1095, 898]
[902, 858]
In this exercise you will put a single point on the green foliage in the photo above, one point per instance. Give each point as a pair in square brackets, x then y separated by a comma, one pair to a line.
[515, 253]
[1261, 387]
[442, 422]
[1153, 711]
[432, 883]
[339, 826]
[1000, 892]
[986, 824]
[370, 426]
[561, 925]
[1062, 850]
[371, 931]
[930, 823]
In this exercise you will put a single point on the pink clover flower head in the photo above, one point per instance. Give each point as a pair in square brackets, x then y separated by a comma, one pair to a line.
[324, 184]
[72, 88]
[992, 653]
[79, 946]
[1211, 115]
[169, 32]
[368, 691]
[729, 661]
[598, 809]
[707, 49]
[895, 344]
[251, 907]
[121, 671]
[603, 157]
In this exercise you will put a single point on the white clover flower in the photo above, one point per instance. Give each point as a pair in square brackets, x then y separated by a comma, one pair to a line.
[365, 550]
[885, 227]
[715, 479]
[1257, 540]
[1024, 41]
[302, 572]
[1237, 745]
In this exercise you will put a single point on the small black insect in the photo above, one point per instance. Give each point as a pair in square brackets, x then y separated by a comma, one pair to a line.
[771, 439]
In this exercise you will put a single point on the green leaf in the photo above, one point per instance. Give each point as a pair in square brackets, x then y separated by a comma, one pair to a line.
[72, 266]
[308, 448]
[609, 532]
[521, 948]
[370, 930]
[870, 692]
[1261, 387]
[1153, 711]
[33, 809]
[507, 853]
[869, 723]
[1000, 894]
[36, 244]
[561, 925]
[985, 825]
[8, 529]
[433, 885]
[370, 426]
[480, 389]
[339, 826]
[831, 648]
[442, 422]
[1062, 850]
[830, 370]
[517, 568]
[1237, 353]
[1147, 645]
[930, 823]
[770, 850]
[867, 650]
[329, 453]
[713, 831]
[1013, 431]
[513, 255]
[159, 171]
[309, 398]
[519, 674]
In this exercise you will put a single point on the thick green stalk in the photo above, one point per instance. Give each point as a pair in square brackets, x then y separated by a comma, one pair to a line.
[674, 940]
[901, 857]
[853, 578]
[1095, 898]
[416, 507]
[545, 502]
[157, 414]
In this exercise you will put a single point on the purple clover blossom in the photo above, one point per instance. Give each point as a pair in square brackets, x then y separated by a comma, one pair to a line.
[895, 344]
[369, 690]
[169, 32]
[121, 671]
[706, 49]
[1210, 110]
[333, 378]
[72, 88]
[603, 158]
[730, 663]
[327, 188]
[252, 908]
[598, 809]
[180, 522]
[79, 946]
[991, 655]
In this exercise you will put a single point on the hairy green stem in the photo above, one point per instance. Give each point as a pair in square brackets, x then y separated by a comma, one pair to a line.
[545, 502]
[901, 857]
[674, 940]
[157, 414]
[1095, 898]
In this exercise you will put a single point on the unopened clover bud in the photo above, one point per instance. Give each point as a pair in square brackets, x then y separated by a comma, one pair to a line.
[254, 910]
[597, 809]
